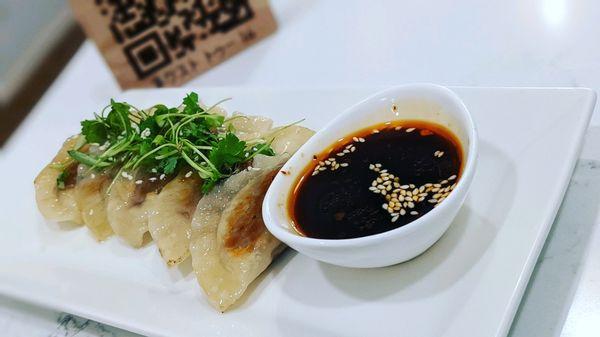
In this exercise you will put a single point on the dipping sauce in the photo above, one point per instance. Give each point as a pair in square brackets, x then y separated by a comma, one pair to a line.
[375, 180]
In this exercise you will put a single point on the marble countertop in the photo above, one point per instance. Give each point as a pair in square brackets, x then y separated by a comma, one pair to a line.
[501, 43]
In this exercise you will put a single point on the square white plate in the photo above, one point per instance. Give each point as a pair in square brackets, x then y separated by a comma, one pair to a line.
[467, 284]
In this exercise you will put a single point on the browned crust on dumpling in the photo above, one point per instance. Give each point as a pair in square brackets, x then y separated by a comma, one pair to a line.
[246, 224]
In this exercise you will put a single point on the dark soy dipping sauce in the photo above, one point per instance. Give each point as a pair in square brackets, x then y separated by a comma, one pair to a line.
[339, 202]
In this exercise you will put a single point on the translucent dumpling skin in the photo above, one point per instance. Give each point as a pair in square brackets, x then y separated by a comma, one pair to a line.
[92, 201]
[127, 216]
[228, 256]
[170, 217]
[230, 244]
[58, 204]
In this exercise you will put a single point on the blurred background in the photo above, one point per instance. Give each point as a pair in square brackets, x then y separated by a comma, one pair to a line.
[37, 39]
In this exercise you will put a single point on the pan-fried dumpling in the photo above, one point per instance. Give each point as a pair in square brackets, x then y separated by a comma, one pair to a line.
[230, 244]
[127, 208]
[54, 203]
[91, 200]
[170, 216]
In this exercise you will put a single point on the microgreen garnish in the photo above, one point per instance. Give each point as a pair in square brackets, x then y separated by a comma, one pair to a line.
[163, 140]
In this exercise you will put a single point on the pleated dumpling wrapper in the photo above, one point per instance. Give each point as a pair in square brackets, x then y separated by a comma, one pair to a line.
[92, 201]
[170, 216]
[55, 203]
[129, 204]
[169, 213]
[230, 244]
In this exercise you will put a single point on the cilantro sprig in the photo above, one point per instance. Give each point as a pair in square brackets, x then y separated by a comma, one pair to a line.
[164, 140]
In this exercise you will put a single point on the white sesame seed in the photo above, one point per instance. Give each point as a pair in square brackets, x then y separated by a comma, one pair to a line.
[452, 177]
[189, 174]
[344, 164]
[375, 131]
[414, 212]
[397, 128]
[410, 129]
[355, 139]
[91, 211]
[402, 211]
[432, 201]
[162, 176]
[139, 182]
[152, 179]
[394, 218]
[360, 139]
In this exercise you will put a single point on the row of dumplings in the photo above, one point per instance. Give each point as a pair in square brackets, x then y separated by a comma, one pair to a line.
[222, 231]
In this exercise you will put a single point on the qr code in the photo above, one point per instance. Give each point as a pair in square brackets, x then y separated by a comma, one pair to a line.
[154, 33]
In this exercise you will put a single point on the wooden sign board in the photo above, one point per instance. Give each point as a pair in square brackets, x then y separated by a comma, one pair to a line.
[156, 43]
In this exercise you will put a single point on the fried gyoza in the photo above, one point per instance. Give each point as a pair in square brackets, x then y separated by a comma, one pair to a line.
[90, 195]
[170, 216]
[54, 203]
[230, 244]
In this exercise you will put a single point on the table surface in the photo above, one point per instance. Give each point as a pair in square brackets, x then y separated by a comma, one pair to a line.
[352, 43]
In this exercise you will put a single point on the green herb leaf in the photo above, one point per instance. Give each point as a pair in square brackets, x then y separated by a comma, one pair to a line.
[227, 152]
[94, 131]
[118, 119]
[166, 139]
[191, 104]
[61, 180]
[168, 165]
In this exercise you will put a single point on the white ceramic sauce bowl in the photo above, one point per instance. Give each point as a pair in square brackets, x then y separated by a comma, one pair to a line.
[425, 102]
